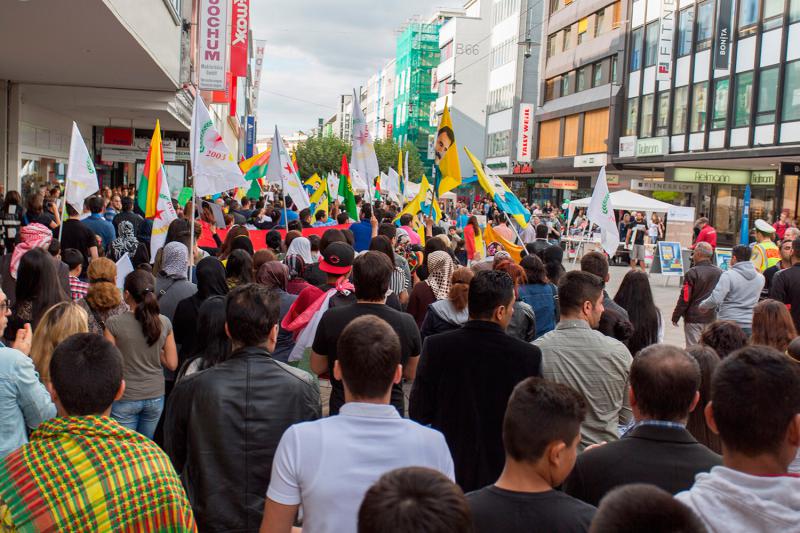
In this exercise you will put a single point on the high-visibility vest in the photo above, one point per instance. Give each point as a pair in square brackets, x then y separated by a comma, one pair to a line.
[765, 254]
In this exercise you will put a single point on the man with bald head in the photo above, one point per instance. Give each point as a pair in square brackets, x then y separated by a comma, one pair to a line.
[698, 284]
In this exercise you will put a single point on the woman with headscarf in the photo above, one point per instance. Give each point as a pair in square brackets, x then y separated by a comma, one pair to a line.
[210, 282]
[296, 265]
[435, 287]
[171, 283]
[103, 300]
[127, 243]
[274, 276]
[300, 246]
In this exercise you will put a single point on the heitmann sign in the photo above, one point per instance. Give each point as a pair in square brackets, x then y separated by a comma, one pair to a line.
[240, 24]
[666, 33]
[212, 50]
[524, 140]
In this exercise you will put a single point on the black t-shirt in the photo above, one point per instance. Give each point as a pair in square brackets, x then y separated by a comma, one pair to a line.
[333, 323]
[75, 234]
[45, 219]
[495, 509]
[339, 300]
[638, 231]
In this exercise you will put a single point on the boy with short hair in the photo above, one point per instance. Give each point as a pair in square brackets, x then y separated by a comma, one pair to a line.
[74, 260]
[541, 433]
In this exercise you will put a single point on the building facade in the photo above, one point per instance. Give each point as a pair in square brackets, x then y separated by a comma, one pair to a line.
[725, 113]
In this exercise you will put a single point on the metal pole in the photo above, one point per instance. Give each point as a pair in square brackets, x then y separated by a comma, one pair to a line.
[516, 233]
[64, 208]
[191, 234]
[285, 212]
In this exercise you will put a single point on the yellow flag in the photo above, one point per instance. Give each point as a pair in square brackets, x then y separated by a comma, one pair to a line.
[514, 250]
[422, 202]
[318, 197]
[447, 154]
[497, 189]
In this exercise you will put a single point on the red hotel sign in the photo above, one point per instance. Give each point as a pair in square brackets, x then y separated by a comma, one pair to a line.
[524, 138]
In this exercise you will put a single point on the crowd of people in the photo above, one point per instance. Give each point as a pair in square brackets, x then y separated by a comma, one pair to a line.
[375, 377]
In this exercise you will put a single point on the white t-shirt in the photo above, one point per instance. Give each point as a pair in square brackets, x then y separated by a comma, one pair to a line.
[328, 465]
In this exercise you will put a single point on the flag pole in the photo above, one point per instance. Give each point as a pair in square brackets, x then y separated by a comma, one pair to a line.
[285, 213]
[191, 234]
[63, 208]
[515, 232]
[435, 189]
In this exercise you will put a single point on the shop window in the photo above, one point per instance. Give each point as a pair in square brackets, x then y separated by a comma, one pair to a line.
[773, 11]
[705, 23]
[595, 131]
[636, 49]
[685, 30]
[583, 30]
[791, 92]
[748, 16]
[651, 44]
[631, 116]
[646, 129]
[662, 114]
[583, 78]
[699, 105]
[549, 136]
[680, 109]
[744, 99]
[571, 135]
[721, 89]
[767, 95]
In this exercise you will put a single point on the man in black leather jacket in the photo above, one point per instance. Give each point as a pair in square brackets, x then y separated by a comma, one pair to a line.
[223, 424]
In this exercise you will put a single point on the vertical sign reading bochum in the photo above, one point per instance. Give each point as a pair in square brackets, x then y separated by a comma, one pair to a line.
[666, 32]
[213, 44]
[722, 39]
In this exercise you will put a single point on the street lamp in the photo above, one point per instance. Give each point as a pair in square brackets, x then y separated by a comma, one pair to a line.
[453, 83]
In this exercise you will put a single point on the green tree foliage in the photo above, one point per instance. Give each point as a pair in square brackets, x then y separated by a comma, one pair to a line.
[321, 155]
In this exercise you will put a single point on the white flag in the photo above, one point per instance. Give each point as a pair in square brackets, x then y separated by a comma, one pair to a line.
[392, 183]
[601, 212]
[124, 267]
[165, 213]
[363, 159]
[81, 177]
[333, 185]
[281, 170]
[213, 165]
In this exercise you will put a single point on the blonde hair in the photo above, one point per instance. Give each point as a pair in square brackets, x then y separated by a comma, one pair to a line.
[103, 293]
[59, 322]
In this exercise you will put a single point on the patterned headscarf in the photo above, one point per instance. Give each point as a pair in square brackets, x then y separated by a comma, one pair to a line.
[440, 270]
[31, 236]
[175, 260]
[126, 242]
[273, 275]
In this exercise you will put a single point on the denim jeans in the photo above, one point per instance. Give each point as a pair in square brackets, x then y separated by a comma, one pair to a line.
[139, 415]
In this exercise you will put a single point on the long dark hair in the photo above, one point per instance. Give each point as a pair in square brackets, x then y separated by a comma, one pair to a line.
[37, 282]
[239, 267]
[534, 269]
[636, 297]
[708, 360]
[141, 286]
[381, 243]
[473, 221]
[213, 344]
[552, 256]
[12, 198]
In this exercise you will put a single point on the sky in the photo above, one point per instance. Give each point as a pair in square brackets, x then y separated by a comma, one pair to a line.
[319, 49]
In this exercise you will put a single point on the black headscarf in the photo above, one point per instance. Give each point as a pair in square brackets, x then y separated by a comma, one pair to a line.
[210, 278]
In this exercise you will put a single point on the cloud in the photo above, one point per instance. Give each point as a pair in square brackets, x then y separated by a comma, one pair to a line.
[318, 50]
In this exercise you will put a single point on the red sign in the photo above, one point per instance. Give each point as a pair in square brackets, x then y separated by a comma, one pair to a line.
[389, 127]
[523, 169]
[118, 136]
[240, 24]
[223, 97]
[234, 94]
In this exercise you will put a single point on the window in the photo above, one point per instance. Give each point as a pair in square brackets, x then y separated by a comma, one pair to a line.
[571, 135]
[614, 70]
[631, 116]
[446, 52]
[636, 49]
[773, 9]
[662, 114]
[444, 86]
[685, 29]
[595, 131]
[567, 44]
[791, 92]
[705, 22]
[748, 13]
[583, 78]
[583, 27]
[699, 104]
[500, 99]
[600, 22]
[551, 45]
[744, 99]
[794, 10]
[503, 53]
[599, 77]
[767, 94]
[549, 89]
[549, 137]
[567, 86]
[647, 116]
[679, 110]
[555, 5]
[720, 104]
[651, 44]
[499, 143]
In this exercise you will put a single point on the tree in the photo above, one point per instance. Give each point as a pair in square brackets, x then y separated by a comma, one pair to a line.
[321, 155]
[387, 150]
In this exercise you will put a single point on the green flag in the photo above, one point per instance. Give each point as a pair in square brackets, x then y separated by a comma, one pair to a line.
[346, 191]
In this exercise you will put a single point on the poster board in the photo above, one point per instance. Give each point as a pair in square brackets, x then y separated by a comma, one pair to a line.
[670, 258]
[722, 258]
[680, 225]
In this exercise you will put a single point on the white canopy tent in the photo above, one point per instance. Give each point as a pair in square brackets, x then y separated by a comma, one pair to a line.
[625, 201]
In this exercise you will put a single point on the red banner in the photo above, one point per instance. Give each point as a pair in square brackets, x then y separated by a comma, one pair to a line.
[240, 24]
[259, 236]
[234, 94]
[223, 97]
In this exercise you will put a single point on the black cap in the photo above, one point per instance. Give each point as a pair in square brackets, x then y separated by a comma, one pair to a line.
[337, 258]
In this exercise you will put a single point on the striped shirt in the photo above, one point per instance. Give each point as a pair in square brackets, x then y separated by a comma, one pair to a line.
[77, 288]
[398, 282]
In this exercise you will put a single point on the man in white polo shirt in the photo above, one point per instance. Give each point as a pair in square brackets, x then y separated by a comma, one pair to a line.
[328, 465]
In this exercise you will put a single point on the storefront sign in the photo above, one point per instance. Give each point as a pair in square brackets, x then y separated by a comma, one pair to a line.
[665, 36]
[790, 169]
[644, 185]
[258, 62]
[763, 177]
[240, 24]
[612, 180]
[627, 146]
[250, 135]
[722, 41]
[651, 147]
[565, 185]
[712, 175]
[523, 169]
[118, 136]
[590, 160]
[525, 141]
[212, 56]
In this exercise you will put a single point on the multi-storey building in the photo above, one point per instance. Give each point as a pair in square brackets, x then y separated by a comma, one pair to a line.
[578, 108]
[717, 109]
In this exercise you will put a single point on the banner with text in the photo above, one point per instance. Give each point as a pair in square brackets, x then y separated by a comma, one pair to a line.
[212, 50]
[722, 39]
[666, 34]
[240, 25]
[524, 137]
[259, 62]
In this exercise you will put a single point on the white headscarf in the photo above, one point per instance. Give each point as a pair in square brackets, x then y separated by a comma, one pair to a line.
[302, 247]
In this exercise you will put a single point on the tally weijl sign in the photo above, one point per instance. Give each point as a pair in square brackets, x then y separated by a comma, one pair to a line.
[212, 46]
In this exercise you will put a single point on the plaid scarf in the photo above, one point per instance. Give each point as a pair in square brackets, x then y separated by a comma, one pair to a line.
[91, 474]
